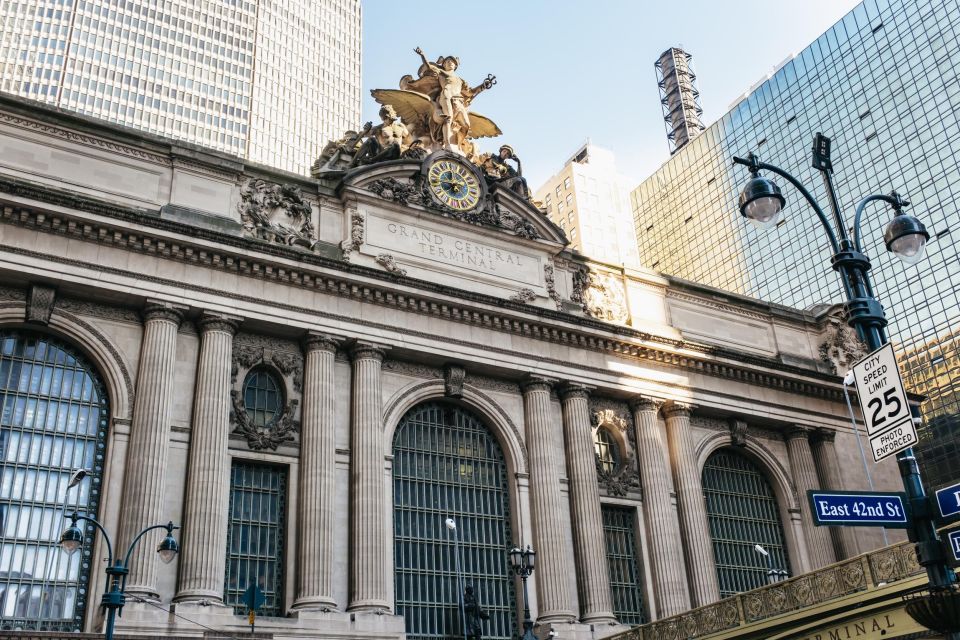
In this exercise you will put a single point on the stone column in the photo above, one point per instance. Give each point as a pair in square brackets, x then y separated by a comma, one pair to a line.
[546, 504]
[368, 551]
[701, 566]
[144, 481]
[315, 517]
[203, 559]
[828, 471]
[663, 530]
[819, 544]
[589, 546]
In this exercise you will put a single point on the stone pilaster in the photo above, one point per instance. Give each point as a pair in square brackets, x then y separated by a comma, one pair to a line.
[143, 484]
[701, 566]
[828, 471]
[663, 530]
[203, 560]
[546, 505]
[368, 551]
[593, 579]
[315, 517]
[819, 543]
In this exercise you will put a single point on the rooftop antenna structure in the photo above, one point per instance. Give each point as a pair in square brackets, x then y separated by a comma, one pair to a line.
[679, 97]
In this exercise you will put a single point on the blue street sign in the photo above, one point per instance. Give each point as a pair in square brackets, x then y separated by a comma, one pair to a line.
[859, 508]
[953, 539]
[254, 597]
[948, 499]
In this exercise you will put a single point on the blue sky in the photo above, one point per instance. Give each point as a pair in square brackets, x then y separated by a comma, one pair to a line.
[571, 70]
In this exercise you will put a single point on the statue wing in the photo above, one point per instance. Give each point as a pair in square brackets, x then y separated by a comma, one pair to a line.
[409, 105]
[427, 84]
[483, 127]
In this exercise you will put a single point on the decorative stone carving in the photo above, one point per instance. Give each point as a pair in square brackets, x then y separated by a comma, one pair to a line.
[282, 430]
[357, 234]
[609, 417]
[604, 298]
[738, 432]
[413, 369]
[626, 476]
[524, 296]
[388, 262]
[550, 280]
[6, 293]
[841, 347]
[40, 303]
[290, 364]
[580, 281]
[453, 378]
[276, 213]
[519, 226]
[88, 308]
[393, 189]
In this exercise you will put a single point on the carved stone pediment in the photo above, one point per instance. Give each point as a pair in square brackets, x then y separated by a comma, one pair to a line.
[601, 294]
[276, 213]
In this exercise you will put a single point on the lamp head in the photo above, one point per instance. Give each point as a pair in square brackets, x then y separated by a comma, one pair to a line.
[906, 237]
[72, 538]
[451, 524]
[761, 550]
[761, 202]
[516, 558]
[531, 556]
[76, 477]
[168, 547]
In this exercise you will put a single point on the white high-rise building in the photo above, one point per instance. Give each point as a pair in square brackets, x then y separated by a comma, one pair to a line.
[270, 81]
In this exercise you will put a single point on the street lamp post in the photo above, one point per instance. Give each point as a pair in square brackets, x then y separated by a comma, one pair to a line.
[761, 202]
[522, 562]
[113, 596]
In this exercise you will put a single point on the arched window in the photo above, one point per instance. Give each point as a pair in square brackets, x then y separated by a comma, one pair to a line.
[262, 397]
[742, 510]
[53, 420]
[448, 465]
[605, 445]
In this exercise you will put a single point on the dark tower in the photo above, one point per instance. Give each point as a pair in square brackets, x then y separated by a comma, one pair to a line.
[679, 97]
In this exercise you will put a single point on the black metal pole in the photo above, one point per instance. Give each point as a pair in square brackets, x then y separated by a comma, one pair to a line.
[527, 620]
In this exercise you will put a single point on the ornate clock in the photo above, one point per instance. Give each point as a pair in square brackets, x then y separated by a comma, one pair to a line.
[454, 184]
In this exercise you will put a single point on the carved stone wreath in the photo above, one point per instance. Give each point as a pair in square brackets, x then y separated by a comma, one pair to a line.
[626, 475]
[283, 429]
[276, 213]
[285, 426]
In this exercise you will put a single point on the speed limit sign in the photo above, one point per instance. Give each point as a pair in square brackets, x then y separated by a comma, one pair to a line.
[883, 401]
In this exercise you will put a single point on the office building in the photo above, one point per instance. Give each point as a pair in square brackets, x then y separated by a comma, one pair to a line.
[271, 82]
[590, 201]
[883, 84]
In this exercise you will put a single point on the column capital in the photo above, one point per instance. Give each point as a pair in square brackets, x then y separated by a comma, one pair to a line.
[535, 382]
[798, 432]
[822, 434]
[163, 310]
[361, 350]
[678, 409]
[574, 390]
[316, 341]
[213, 321]
[645, 403]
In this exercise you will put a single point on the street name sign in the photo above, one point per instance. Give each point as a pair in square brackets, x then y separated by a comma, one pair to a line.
[948, 500]
[953, 541]
[883, 400]
[859, 508]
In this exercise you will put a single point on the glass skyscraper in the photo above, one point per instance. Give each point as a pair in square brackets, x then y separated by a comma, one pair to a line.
[270, 81]
[883, 83]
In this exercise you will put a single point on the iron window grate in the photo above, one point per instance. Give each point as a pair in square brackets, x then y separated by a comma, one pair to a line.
[623, 566]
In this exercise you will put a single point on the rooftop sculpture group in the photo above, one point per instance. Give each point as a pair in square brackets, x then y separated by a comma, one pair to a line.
[426, 114]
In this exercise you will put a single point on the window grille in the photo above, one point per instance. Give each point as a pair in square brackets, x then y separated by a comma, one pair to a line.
[262, 397]
[623, 566]
[448, 465]
[606, 450]
[53, 419]
[255, 535]
[743, 512]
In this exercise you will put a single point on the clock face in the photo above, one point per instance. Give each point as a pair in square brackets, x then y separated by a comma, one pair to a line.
[454, 185]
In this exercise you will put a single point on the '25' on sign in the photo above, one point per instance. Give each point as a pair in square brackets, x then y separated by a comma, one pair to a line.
[891, 403]
[882, 396]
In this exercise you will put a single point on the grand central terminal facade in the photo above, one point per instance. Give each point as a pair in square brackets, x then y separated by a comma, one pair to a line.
[309, 376]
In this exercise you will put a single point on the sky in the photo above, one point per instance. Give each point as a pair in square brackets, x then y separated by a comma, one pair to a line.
[572, 70]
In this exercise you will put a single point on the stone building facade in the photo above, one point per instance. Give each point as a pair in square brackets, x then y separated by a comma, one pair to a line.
[309, 376]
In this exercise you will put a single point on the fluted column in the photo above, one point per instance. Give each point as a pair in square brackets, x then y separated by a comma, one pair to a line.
[701, 566]
[546, 504]
[144, 482]
[368, 552]
[589, 546]
[663, 529]
[819, 543]
[315, 517]
[203, 558]
[828, 471]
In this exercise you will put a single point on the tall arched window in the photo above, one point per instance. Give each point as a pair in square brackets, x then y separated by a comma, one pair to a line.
[742, 510]
[53, 420]
[448, 465]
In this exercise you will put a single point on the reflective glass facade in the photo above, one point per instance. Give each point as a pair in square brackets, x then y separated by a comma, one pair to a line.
[53, 420]
[883, 84]
[268, 81]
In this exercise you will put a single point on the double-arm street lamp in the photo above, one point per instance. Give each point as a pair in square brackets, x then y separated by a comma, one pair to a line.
[113, 596]
[762, 203]
[522, 562]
